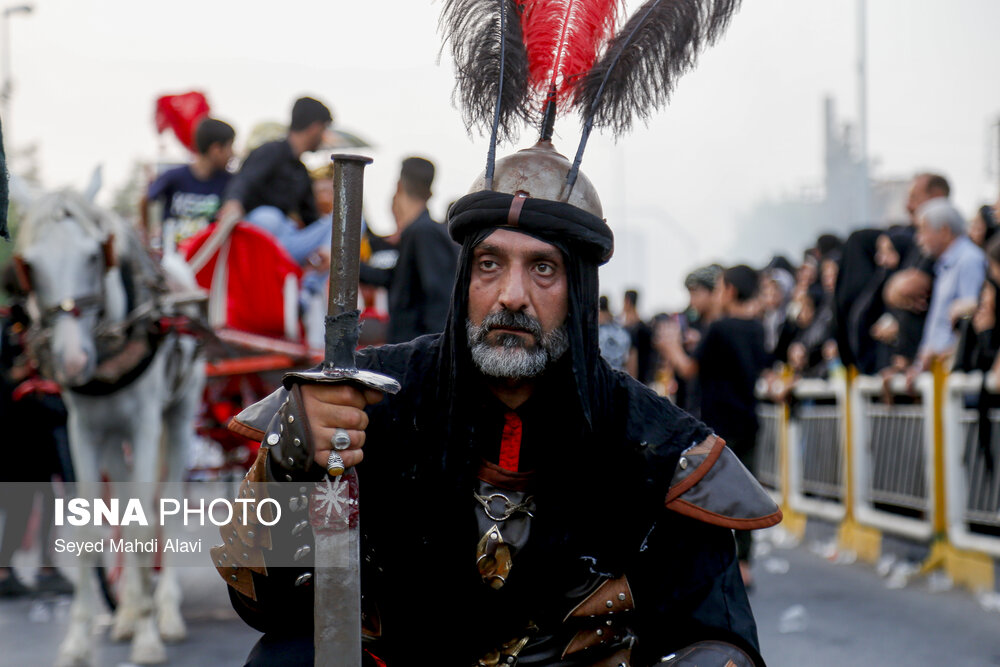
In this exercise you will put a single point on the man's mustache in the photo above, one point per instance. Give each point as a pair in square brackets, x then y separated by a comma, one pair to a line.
[508, 319]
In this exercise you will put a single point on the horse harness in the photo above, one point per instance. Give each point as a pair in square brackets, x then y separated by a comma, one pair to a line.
[125, 349]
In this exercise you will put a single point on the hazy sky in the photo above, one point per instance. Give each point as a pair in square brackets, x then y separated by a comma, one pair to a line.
[745, 126]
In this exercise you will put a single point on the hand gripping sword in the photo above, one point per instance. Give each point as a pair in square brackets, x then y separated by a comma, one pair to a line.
[333, 510]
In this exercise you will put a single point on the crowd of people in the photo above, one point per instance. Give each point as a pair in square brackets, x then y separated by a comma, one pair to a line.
[886, 301]
[274, 191]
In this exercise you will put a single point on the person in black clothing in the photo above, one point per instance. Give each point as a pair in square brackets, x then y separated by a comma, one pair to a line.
[420, 283]
[730, 359]
[693, 324]
[727, 363]
[273, 188]
[510, 405]
[983, 226]
[34, 419]
[642, 359]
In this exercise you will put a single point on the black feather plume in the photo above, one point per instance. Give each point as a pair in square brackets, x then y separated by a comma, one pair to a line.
[643, 62]
[491, 64]
[641, 65]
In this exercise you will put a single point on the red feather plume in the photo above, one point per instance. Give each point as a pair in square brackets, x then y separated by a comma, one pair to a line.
[562, 39]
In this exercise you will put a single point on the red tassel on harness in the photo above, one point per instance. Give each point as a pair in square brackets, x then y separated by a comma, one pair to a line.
[23, 274]
[108, 248]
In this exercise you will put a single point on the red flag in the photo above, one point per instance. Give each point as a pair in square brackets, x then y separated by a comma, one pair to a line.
[181, 113]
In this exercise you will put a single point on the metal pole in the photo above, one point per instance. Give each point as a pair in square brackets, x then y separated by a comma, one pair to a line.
[863, 110]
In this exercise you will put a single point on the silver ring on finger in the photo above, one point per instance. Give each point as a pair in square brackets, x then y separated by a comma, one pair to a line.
[335, 465]
[341, 439]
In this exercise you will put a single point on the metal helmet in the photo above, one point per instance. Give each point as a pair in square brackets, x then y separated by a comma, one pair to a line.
[540, 173]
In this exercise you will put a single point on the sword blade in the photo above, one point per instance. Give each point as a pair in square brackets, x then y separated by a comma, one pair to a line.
[334, 510]
[337, 576]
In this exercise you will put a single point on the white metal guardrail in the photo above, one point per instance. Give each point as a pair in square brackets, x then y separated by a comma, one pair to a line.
[894, 445]
[767, 459]
[972, 491]
[816, 443]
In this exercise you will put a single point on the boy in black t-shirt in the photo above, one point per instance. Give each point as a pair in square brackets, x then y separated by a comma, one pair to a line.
[727, 363]
[191, 195]
[730, 359]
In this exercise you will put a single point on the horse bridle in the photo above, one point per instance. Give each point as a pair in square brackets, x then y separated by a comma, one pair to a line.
[72, 306]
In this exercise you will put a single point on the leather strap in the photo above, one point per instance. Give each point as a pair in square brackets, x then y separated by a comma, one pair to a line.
[516, 204]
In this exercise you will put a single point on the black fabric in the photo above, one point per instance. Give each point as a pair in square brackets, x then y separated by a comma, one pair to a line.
[420, 283]
[642, 341]
[420, 530]
[730, 359]
[590, 237]
[688, 394]
[273, 176]
[854, 279]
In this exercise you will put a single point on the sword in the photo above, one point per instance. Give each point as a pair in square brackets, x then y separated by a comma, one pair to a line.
[333, 510]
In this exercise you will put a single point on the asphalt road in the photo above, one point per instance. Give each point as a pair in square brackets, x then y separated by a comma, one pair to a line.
[821, 613]
[810, 611]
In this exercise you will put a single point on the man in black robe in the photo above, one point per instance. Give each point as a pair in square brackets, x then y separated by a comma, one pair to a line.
[523, 503]
[420, 283]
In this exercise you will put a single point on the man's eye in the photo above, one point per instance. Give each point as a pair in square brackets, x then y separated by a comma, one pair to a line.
[487, 265]
[545, 269]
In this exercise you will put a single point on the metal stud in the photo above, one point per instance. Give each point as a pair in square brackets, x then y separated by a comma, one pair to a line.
[253, 493]
[291, 419]
[608, 622]
[225, 556]
[273, 439]
[303, 578]
[293, 504]
[297, 442]
[246, 556]
[683, 463]
[251, 534]
[299, 527]
[234, 577]
[220, 563]
[609, 604]
[511, 659]
[600, 633]
[230, 540]
[621, 596]
[301, 552]
[302, 489]
[288, 478]
[290, 461]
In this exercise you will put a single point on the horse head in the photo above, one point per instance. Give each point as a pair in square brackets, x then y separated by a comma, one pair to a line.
[67, 261]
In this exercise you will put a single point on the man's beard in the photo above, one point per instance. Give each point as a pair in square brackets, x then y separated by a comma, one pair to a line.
[511, 355]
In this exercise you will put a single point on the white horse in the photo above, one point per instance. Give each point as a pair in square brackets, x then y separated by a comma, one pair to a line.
[92, 288]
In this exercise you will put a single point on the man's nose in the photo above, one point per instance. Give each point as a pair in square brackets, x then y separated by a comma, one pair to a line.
[514, 293]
